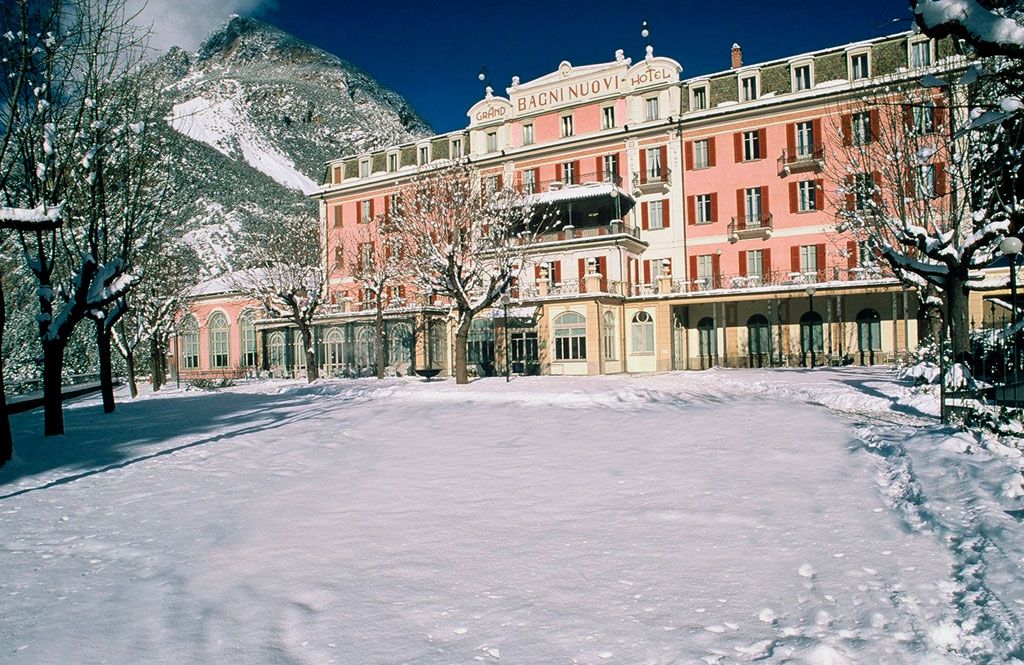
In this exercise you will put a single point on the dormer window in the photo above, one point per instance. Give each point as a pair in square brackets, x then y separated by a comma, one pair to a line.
[921, 53]
[803, 76]
[423, 155]
[748, 88]
[567, 126]
[364, 168]
[528, 134]
[608, 117]
[699, 98]
[456, 148]
[860, 66]
[392, 162]
[336, 172]
[652, 108]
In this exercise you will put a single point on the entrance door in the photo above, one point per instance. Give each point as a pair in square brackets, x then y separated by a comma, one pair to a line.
[525, 352]
[679, 337]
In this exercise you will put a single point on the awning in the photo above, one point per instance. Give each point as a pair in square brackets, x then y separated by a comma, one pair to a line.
[579, 192]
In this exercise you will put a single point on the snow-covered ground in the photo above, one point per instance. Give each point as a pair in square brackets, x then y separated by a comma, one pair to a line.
[726, 516]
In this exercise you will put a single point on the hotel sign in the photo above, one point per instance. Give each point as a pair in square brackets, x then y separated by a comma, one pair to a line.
[569, 93]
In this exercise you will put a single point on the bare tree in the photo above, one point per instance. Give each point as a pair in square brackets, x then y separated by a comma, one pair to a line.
[375, 258]
[465, 241]
[285, 272]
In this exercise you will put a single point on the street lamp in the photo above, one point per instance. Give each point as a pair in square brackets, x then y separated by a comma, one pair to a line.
[810, 323]
[508, 367]
[1010, 247]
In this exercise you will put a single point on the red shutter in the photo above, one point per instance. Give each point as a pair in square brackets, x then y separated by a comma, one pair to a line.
[851, 254]
[693, 268]
[816, 136]
[558, 171]
[794, 258]
[536, 179]
[714, 207]
[741, 211]
[875, 124]
[790, 140]
[602, 267]
[665, 221]
[647, 271]
[372, 202]
[851, 198]
[876, 180]
[643, 165]
[644, 220]
[691, 209]
[557, 270]
[716, 269]
[819, 194]
[820, 251]
[577, 175]
[689, 155]
[743, 263]
[762, 143]
[536, 273]
[766, 206]
[600, 169]
[663, 153]
[908, 117]
[711, 151]
[940, 116]
[501, 181]
[581, 267]
[766, 261]
[847, 124]
[908, 182]
[737, 146]
[941, 183]
[793, 197]
[387, 206]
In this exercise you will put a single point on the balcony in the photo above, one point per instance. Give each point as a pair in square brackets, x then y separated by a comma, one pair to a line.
[812, 161]
[746, 228]
[652, 181]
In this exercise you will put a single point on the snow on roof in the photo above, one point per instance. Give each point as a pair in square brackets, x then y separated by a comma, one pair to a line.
[578, 192]
[223, 283]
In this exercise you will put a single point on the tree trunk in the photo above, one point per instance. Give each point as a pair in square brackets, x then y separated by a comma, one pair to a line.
[106, 367]
[461, 348]
[155, 364]
[129, 364]
[380, 337]
[6, 441]
[957, 313]
[312, 371]
[53, 397]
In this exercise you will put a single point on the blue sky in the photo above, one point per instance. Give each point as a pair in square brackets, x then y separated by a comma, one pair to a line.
[431, 53]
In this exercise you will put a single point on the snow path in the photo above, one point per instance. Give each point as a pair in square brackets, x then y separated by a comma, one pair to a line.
[716, 517]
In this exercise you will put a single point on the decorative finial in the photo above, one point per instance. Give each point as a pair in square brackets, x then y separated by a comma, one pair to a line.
[620, 55]
[515, 81]
[490, 91]
[650, 52]
[483, 74]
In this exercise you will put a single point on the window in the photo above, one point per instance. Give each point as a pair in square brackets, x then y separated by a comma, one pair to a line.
[336, 174]
[608, 117]
[652, 108]
[751, 145]
[643, 333]
[805, 200]
[654, 171]
[248, 336]
[700, 154]
[755, 263]
[863, 191]
[394, 204]
[219, 333]
[864, 254]
[869, 330]
[365, 256]
[298, 351]
[567, 129]
[529, 181]
[811, 333]
[700, 98]
[859, 66]
[748, 88]
[392, 162]
[528, 134]
[656, 268]
[923, 118]
[925, 181]
[480, 346]
[423, 154]
[570, 336]
[608, 334]
[365, 212]
[275, 349]
[703, 208]
[364, 168]
[758, 338]
[705, 267]
[456, 148]
[610, 164]
[569, 173]
[802, 77]
[861, 126]
[366, 349]
[334, 351]
[805, 139]
[492, 141]
[809, 259]
[752, 206]
[190, 343]
[921, 54]
[654, 219]
[339, 219]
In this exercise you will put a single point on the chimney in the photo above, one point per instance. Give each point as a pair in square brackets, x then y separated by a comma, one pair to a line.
[737, 56]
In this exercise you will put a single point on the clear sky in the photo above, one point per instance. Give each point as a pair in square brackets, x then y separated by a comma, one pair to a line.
[431, 52]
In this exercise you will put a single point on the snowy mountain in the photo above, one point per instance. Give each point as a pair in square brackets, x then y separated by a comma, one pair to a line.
[255, 112]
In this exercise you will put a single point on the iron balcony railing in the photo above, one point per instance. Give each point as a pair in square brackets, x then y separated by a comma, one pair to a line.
[755, 224]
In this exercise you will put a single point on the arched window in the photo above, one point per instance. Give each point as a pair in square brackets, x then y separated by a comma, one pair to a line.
[247, 332]
[437, 343]
[481, 341]
[811, 333]
[334, 351]
[643, 333]
[608, 331]
[275, 349]
[400, 344]
[298, 350]
[366, 349]
[707, 339]
[190, 343]
[220, 333]
[869, 330]
[570, 336]
[758, 337]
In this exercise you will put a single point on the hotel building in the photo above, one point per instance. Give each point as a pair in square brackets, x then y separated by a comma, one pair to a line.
[696, 226]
